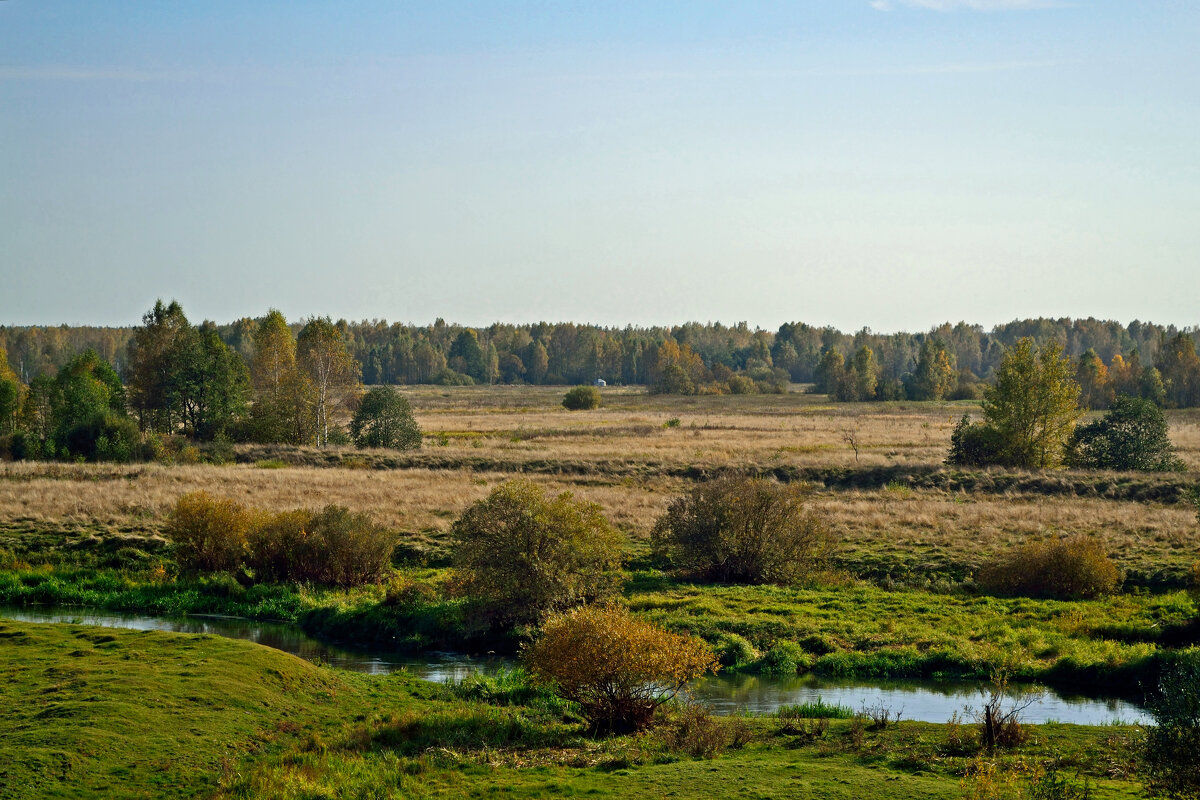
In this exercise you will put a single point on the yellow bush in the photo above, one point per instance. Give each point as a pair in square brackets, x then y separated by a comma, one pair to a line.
[1076, 567]
[617, 668]
[210, 533]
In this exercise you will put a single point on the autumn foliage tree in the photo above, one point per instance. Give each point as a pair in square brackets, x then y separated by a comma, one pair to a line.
[619, 669]
[1033, 405]
[525, 555]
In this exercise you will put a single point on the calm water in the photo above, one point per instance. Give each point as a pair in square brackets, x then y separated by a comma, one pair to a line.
[926, 701]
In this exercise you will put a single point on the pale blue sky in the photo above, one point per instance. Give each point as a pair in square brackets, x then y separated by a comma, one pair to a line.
[893, 164]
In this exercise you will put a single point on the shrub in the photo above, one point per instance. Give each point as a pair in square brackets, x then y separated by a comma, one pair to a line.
[692, 729]
[526, 555]
[1073, 568]
[617, 668]
[332, 546]
[210, 533]
[742, 530]
[384, 418]
[1169, 760]
[733, 650]
[975, 445]
[349, 548]
[1131, 436]
[582, 398]
[742, 384]
[785, 658]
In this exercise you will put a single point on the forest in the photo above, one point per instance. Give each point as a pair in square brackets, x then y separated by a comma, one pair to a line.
[945, 361]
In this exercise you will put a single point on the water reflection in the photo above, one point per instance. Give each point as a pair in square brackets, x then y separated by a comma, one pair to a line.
[725, 693]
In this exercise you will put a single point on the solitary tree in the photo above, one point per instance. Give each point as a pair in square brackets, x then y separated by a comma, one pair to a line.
[1033, 405]
[1131, 436]
[384, 418]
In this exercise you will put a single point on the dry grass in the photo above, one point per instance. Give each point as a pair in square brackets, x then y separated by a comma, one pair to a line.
[895, 531]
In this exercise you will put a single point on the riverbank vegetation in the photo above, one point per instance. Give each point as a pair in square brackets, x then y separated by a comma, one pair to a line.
[234, 720]
[898, 587]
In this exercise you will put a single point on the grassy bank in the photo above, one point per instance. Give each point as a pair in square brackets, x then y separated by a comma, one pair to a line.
[88, 712]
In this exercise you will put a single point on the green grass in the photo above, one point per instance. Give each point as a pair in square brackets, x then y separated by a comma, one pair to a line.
[815, 709]
[89, 712]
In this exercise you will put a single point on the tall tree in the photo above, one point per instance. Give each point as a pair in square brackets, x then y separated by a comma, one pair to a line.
[1034, 404]
[12, 392]
[935, 376]
[162, 354]
[332, 371]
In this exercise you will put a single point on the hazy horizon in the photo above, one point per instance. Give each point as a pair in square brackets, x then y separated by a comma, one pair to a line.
[886, 163]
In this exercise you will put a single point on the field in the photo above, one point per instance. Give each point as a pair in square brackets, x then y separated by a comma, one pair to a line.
[901, 601]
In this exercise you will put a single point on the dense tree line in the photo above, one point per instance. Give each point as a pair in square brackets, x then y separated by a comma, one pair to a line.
[949, 361]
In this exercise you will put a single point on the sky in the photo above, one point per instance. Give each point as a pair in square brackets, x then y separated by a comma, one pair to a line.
[891, 164]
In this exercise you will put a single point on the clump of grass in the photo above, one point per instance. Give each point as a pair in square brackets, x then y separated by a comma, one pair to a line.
[269, 463]
[814, 709]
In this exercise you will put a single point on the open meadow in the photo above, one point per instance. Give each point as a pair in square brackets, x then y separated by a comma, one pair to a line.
[900, 600]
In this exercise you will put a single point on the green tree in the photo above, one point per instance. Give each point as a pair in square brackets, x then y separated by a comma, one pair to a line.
[467, 356]
[525, 555]
[384, 418]
[1033, 405]
[935, 375]
[862, 377]
[161, 372]
[331, 370]
[1131, 436]
[1179, 365]
[283, 407]
[88, 408]
[1169, 763]
[830, 373]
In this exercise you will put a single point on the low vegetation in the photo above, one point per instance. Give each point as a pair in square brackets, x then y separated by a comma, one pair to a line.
[582, 398]
[744, 531]
[1172, 768]
[526, 555]
[333, 546]
[617, 668]
[1073, 568]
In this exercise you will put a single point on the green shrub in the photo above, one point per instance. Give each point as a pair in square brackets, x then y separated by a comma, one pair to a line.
[582, 398]
[742, 384]
[785, 658]
[1169, 759]
[1131, 436]
[976, 445]
[744, 530]
[525, 555]
[733, 650]
[1072, 568]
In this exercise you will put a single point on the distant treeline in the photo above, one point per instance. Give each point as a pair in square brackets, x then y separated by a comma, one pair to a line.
[947, 361]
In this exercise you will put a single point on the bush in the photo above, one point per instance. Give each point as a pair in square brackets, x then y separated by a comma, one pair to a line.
[742, 384]
[210, 533]
[1131, 436]
[582, 398]
[617, 668]
[785, 658]
[743, 530]
[1070, 568]
[733, 650]
[525, 555]
[384, 418]
[1169, 760]
[333, 546]
[976, 445]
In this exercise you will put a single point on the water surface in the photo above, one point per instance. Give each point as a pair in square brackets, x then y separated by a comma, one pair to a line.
[726, 693]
